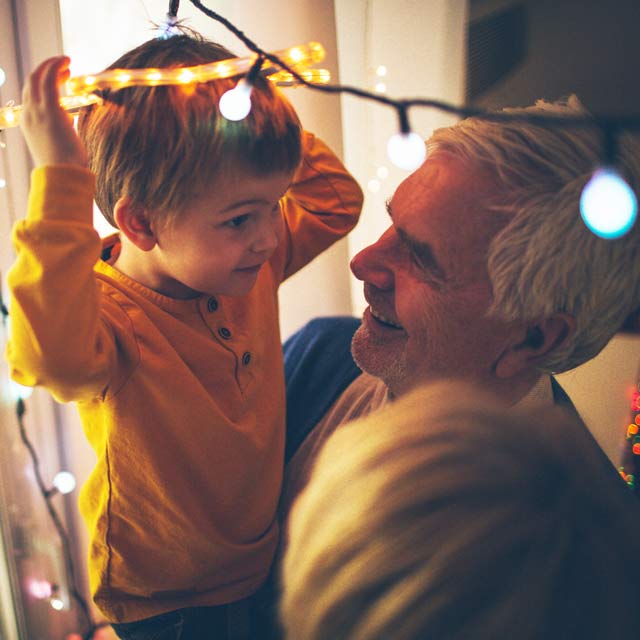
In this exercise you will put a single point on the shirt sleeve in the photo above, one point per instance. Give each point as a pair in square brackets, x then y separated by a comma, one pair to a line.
[322, 205]
[57, 338]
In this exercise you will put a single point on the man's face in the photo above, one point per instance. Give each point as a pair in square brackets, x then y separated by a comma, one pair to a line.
[426, 282]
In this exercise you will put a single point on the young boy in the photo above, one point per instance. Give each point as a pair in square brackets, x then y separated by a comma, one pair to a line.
[168, 340]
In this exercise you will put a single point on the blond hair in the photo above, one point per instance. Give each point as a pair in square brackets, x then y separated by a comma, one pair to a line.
[545, 261]
[445, 516]
[160, 145]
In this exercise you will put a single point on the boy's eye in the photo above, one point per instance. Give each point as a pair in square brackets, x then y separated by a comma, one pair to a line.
[236, 222]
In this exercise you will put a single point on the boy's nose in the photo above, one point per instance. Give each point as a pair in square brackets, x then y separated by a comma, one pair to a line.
[268, 236]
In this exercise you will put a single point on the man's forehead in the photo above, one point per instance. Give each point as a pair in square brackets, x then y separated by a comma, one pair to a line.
[445, 204]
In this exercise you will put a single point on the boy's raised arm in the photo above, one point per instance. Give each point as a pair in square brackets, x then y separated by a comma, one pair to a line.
[322, 205]
[57, 339]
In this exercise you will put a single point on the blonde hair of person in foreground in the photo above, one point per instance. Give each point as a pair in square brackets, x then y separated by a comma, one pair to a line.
[446, 516]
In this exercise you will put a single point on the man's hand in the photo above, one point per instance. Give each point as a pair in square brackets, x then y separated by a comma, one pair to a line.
[46, 126]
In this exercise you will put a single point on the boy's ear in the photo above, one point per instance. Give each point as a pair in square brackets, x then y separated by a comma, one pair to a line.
[133, 221]
[534, 343]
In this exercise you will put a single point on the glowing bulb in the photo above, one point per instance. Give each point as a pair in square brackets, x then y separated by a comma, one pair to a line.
[381, 71]
[89, 80]
[608, 205]
[40, 589]
[19, 391]
[406, 150]
[382, 172]
[373, 185]
[297, 55]
[381, 87]
[64, 482]
[3, 76]
[3, 183]
[235, 104]
[186, 76]
[123, 78]
[56, 603]
[154, 76]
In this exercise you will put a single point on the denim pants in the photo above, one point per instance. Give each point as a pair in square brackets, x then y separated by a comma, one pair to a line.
[235, 621]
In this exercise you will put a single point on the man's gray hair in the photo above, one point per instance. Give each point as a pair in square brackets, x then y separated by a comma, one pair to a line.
[545, 261]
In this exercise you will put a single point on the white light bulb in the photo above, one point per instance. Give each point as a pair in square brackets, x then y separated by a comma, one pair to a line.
[407, 150]
[381, 71]
[3, 183]
[3, 76]
[19, 391]
[235, 104]
[373, 185]
[56, 603]
[64, 482]
[382, 172]
[608, 205]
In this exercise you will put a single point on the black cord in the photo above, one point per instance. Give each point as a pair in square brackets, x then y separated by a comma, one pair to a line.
[402, 105]
[173, 8]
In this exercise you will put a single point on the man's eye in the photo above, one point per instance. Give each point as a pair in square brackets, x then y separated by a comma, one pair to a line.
[236, 222]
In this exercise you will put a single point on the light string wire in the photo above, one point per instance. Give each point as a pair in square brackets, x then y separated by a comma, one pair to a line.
[608, 123]
[47, 494]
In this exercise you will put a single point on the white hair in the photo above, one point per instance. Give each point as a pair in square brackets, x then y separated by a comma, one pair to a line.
[545, 261]
[447, 516]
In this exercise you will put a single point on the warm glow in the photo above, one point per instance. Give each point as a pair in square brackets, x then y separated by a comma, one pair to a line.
[81, 88]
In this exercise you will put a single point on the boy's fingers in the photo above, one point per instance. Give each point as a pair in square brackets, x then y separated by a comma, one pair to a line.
[43, 81]
[52, 76]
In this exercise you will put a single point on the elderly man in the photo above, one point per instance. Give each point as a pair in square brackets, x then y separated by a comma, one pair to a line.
[487, 273]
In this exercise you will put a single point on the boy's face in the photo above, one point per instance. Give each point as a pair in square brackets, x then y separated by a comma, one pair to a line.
[220, 240]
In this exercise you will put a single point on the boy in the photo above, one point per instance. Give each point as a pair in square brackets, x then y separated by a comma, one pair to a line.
[169, 344]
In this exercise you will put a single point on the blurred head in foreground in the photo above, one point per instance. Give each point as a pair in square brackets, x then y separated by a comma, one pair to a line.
[444, 516]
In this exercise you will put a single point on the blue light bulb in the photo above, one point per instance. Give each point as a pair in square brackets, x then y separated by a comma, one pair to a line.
[608, 205]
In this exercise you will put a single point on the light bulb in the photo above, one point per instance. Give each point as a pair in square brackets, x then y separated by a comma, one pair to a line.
[20, 392]
[64, 482]
[40, 589]
[407, 150]
[608, 205]
[3, 76]
[235, 104]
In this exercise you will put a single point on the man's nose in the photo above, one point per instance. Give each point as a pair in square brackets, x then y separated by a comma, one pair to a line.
[374, 264]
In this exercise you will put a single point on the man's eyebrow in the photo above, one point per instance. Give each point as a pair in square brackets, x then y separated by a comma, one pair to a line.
[422, 251]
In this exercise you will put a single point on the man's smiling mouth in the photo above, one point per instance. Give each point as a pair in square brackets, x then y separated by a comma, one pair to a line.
[380, 318]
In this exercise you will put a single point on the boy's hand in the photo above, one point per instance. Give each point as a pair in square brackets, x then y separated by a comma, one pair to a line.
[47, 128]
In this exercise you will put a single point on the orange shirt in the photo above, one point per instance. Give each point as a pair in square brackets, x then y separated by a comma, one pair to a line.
[182, 400]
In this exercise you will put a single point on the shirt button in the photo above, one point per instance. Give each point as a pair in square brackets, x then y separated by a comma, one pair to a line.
[212, 304]
[224, 333]
[246, 358]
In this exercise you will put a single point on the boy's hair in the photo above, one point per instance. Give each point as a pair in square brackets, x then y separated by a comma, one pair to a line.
[448, 516]
[161, 145]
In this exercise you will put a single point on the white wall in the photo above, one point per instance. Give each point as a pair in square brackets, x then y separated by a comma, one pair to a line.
[422, 44]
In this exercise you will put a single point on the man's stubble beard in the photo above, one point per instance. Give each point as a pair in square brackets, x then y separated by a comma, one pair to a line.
[376, 358]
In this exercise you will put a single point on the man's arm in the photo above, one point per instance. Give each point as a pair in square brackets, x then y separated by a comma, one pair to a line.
[322, 205]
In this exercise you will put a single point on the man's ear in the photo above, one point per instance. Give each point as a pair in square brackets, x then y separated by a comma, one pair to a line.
[133, 221]
[533, 344]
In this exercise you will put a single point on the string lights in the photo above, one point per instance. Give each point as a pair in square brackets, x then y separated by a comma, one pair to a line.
[608, 205]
